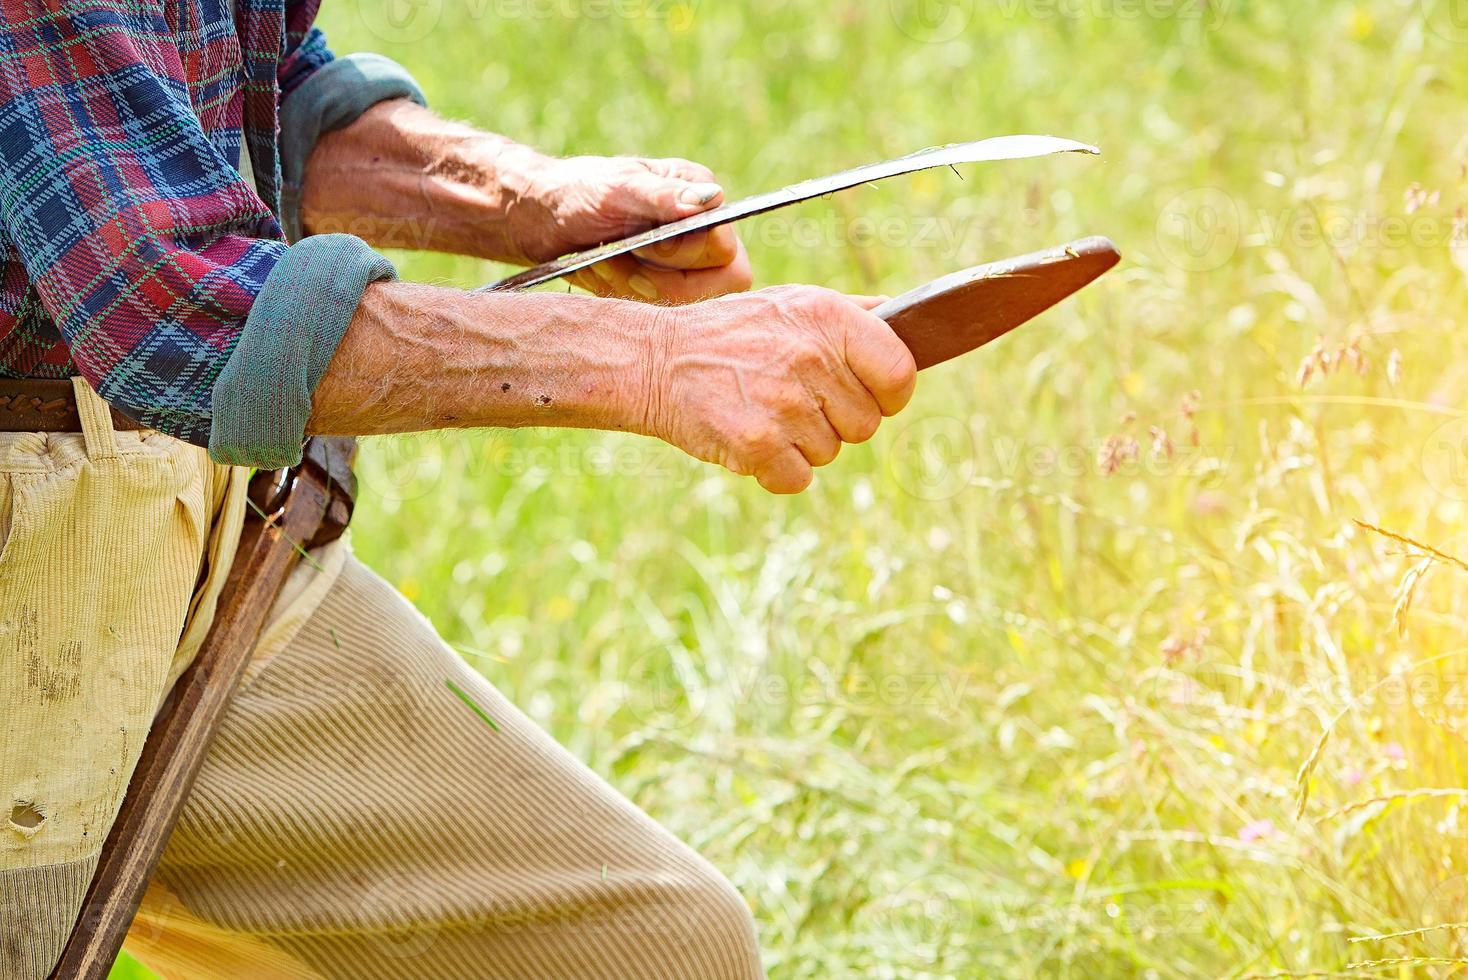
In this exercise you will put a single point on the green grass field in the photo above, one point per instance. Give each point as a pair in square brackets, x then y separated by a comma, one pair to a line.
[1031, 685]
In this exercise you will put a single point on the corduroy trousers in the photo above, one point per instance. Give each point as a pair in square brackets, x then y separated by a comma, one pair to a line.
[355, 816]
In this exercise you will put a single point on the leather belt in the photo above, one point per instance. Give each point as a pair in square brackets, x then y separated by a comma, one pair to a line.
[28, 405]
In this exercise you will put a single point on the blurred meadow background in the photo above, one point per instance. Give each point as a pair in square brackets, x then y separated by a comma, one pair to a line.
[1083, 667]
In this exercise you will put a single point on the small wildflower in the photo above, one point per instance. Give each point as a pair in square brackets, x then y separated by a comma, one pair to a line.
[1172, 649]
[1188, 409]
[1178, 647]
[1317, 361]
[1418, 197]
[1353, 354]
[1162, 447]
[1394, 367]
[1210, 503]
[1190, 404]
[1116, 452]
[1459, 244]
[1394, 751]
[1257, 830]
[1324, 358]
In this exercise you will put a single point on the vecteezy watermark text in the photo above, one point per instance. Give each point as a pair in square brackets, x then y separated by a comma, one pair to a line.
[938, 21]
[406, 21]
[1202, 229]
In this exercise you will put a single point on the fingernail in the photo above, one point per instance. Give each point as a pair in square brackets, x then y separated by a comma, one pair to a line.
[642, 286]
[700, 193]
[603, 271]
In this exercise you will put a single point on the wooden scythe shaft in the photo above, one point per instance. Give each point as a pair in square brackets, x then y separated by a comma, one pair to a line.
[310, 506]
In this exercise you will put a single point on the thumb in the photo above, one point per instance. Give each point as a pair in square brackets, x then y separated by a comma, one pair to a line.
[658, 198]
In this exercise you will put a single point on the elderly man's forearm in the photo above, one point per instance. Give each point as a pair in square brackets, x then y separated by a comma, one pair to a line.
[402, 177]
[419, 357]
[768, 384]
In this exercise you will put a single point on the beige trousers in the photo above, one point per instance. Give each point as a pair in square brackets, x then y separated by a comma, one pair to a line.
[371, 806]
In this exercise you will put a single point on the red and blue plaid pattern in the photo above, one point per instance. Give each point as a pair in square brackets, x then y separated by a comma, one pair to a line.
[131, 250]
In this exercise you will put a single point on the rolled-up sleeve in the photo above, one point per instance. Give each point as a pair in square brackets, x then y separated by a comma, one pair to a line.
[262, 399]
[334, 94]
[163, 271]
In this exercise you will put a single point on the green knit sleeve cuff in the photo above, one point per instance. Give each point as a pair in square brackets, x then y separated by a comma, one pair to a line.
[332, 97]
[262, 397]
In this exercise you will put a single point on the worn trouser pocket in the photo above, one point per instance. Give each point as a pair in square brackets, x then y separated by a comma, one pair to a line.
[105, 537]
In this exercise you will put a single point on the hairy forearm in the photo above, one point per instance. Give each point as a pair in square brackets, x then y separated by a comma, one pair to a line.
[769, 383]
[421, 357]
[402, 177]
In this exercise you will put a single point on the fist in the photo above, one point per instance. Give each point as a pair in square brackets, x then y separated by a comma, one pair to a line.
[770, 384]
[582, 202]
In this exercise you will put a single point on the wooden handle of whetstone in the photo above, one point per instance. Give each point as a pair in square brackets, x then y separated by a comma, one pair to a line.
[960, 312]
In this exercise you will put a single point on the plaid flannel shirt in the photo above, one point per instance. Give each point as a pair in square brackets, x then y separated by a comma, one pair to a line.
[134, 253]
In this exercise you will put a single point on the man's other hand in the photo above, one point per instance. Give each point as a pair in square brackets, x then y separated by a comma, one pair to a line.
[582, 202]
[770, 384]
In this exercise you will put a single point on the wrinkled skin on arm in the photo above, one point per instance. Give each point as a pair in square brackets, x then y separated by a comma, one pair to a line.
[401, 177]
[768, 384]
